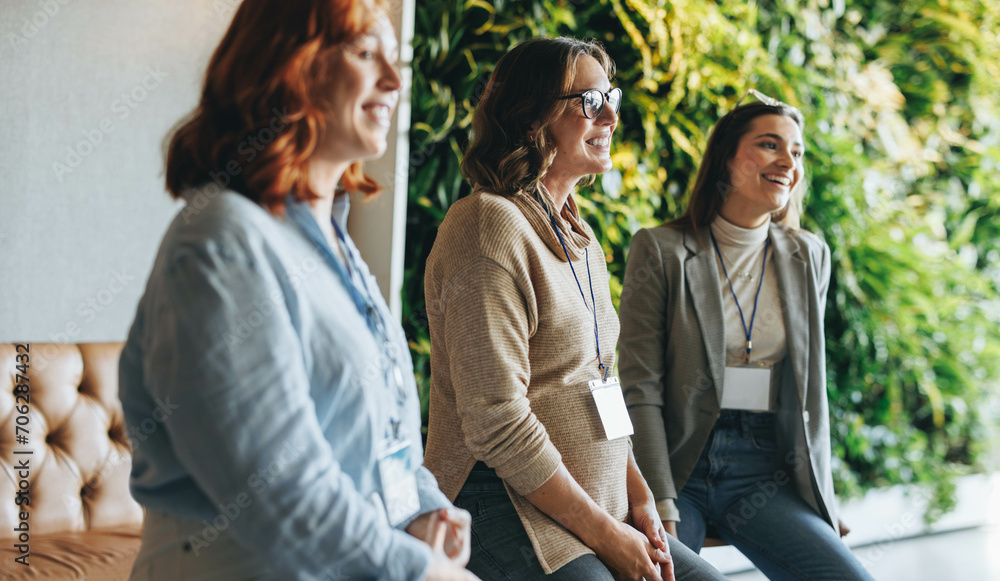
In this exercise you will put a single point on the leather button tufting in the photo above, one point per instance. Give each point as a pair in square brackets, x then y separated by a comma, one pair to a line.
[91, 533]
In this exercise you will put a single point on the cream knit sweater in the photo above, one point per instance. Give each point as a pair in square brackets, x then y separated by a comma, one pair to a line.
[512, 351]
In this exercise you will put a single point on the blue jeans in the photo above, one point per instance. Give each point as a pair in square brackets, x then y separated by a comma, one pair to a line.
[742, 491]
[502, 551]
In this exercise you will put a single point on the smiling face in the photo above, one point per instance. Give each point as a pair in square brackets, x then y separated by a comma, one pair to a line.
[363, 94]
[765, 171]
[583, 146]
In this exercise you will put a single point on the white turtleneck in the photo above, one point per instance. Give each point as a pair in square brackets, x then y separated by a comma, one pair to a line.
[743, 251]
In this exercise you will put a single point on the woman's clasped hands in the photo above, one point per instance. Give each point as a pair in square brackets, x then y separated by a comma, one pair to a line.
[638, 551]
[645, 519]
[447, 531]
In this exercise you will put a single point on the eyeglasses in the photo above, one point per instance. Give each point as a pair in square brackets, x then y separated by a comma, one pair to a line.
[592, 101]
[769, 101]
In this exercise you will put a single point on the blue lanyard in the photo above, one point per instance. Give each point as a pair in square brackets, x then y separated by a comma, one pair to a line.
[362, 301]
[600, 360]
[760, 283]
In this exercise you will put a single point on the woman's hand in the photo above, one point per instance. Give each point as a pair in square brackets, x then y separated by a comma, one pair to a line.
[632, 557]
[626, 551]
[452, 525]
[439, 527]
[645, 519]
[642, 515]
[445, 570]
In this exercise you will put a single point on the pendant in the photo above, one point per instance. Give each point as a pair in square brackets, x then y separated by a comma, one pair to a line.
[744, 275]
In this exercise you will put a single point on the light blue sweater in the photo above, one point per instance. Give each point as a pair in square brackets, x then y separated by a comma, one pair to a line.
[256, 406]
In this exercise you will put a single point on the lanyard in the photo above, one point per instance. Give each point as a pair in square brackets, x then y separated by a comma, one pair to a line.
[362, 300]
[600, 360]
[760, 283]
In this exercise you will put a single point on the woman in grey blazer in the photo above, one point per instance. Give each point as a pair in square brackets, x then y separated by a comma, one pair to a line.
[723, 357]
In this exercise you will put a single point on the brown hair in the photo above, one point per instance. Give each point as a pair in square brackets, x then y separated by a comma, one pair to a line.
[262, 110]
[714, 180]
[524, 89]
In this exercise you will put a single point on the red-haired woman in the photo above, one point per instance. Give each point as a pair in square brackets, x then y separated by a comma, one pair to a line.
[286, 432]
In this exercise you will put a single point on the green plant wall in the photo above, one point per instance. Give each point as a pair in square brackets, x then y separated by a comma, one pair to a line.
[903, 138]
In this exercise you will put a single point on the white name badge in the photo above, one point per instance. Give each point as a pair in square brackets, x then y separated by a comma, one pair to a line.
[611, 407]
[747, 388]
[399, 483]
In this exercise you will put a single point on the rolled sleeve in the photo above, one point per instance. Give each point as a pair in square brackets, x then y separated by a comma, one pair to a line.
[246, 429]
[486, 335]
[430, 497]
[667, 509]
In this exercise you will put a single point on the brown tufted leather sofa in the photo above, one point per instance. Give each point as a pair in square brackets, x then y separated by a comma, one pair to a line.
[82, 522]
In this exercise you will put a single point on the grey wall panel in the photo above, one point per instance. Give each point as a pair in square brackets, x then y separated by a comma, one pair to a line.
[89, 90]
[378, 225]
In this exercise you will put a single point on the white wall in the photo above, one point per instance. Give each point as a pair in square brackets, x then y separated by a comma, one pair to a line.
[378, 226]
[89, 91]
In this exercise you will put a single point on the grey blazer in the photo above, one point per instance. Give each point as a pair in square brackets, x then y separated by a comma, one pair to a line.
[672, 362]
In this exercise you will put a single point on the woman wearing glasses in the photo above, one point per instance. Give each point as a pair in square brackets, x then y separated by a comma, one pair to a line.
[723, 357]
[524, 431]
[290, 445]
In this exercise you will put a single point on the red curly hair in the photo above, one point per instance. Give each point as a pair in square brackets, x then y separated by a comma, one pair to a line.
[262, 111]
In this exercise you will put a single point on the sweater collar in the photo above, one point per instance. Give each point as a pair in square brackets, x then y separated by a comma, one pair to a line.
[783, 239]
[729, 234]
[575, 232]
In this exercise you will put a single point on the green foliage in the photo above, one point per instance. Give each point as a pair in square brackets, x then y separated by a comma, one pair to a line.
[903, 154]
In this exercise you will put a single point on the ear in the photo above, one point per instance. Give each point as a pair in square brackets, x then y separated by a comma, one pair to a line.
[533, 131]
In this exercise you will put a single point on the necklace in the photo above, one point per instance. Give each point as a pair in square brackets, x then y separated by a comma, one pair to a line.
[760, 285]
[742, 274]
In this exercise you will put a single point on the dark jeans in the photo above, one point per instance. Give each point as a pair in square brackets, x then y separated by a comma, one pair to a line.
[741, 489]
[502, 551]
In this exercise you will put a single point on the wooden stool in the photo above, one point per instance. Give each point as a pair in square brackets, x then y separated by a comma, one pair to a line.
[712, 539]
